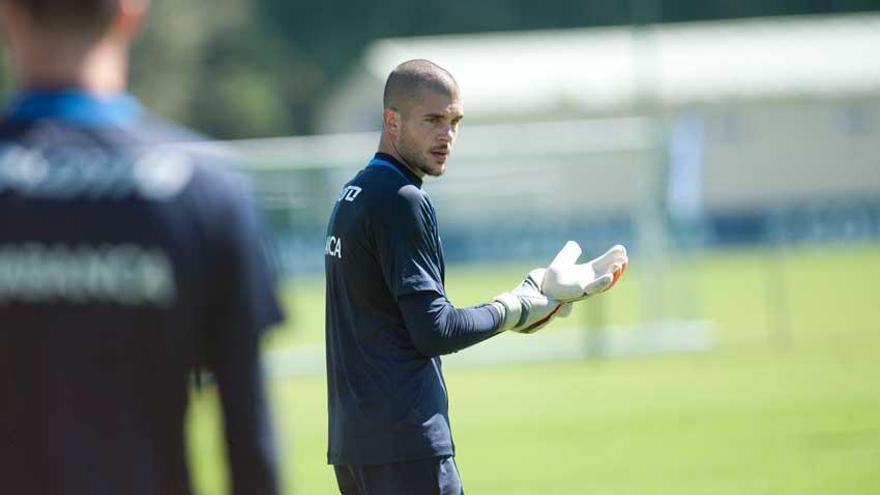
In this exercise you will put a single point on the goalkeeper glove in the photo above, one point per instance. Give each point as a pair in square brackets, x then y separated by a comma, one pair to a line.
[525, 309]
[567, 281]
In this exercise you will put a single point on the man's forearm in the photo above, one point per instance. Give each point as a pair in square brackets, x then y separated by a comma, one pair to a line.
[437, 327]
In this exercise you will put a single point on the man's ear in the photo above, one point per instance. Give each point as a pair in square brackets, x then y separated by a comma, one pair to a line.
[391, 121]
[131, 16]
[12, 17]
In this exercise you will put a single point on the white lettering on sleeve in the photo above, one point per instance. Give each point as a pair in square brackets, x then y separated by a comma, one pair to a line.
[349, 193]
[333, 247]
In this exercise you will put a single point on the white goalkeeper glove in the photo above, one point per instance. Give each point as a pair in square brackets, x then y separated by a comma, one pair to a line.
[525, 309]
[568, 282]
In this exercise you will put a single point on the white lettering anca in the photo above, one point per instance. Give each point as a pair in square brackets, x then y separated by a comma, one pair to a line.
[127, 274]
[333, 247]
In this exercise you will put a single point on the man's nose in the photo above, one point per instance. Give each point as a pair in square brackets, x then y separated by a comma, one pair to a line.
[447, 134]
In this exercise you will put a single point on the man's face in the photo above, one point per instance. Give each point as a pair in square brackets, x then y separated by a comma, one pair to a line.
[427, 132]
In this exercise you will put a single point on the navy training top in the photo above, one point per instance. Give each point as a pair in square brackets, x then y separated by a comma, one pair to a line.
[387, 321]
[127, 258]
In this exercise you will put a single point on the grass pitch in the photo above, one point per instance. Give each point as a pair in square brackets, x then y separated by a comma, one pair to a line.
[787, 402]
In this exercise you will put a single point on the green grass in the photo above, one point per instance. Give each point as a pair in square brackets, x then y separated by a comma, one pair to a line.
[788, 401]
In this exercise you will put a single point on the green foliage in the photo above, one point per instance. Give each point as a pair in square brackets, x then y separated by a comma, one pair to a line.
[755, 415]
[210, 65]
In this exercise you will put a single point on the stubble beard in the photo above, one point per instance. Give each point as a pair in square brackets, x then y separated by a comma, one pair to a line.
[412, 157]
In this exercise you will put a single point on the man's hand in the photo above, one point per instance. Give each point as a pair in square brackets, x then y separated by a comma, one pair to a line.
[525, 309]
[567, 281]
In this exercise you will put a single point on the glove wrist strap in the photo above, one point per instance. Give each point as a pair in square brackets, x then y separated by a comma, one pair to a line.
[510, 308]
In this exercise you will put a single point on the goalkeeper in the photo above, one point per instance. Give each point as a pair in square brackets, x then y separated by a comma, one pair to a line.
[388, 318]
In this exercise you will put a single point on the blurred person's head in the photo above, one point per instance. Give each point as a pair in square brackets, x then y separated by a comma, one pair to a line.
[72, 43]
[422, 110]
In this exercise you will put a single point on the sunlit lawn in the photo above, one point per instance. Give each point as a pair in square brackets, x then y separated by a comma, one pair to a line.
[787, 402]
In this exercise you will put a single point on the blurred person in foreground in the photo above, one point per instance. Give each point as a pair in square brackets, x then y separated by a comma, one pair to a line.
[388, 318]
[127, 260]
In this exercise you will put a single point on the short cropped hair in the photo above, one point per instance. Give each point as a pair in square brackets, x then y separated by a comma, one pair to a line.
[408, 79]
[71, 15]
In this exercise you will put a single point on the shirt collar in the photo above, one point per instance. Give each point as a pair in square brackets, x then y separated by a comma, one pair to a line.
[385, 157]
[75, 106]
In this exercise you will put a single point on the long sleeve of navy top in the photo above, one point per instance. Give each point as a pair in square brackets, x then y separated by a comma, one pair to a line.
[437, 327]
[250, 439]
